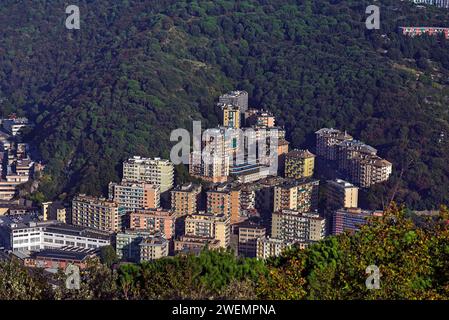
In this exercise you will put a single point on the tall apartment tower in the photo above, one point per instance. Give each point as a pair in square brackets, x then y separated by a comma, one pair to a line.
[155, 171]
[97, 213]
[223, 200]
[209, 226]
[213, 161]
[341, 194]
[135, 195]
[296, 195]
[299, 164]
[327, 141]
[294, 226]
[236, 98]
[185, 198]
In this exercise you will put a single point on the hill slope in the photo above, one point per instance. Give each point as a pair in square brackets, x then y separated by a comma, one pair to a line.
[138, 69]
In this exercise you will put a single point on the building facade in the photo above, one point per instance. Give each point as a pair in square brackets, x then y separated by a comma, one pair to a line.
[299, 164]
[97, 213]
[155, 171]
[135, 195]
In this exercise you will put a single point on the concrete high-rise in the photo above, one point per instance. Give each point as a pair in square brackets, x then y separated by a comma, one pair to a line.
[155, 171]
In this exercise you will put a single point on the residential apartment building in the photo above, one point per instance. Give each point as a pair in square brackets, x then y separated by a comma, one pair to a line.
[348, 150]
[248, 233]
[297, 227]
[299, 164]
[327, 141]
[154, 220]
[368, 170]
[341, 194]
[128, 244]
[195, 244]
[135, 195]
[231, 116]
[351, 219]
[155, 171]
[270, 247]
[209, 226]
[97, 213]
[224, 200]
[185, 199]
[154, 247]
[299, 195]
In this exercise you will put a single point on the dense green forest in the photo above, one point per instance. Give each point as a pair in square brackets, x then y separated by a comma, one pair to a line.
[413, 261]
[139, 68]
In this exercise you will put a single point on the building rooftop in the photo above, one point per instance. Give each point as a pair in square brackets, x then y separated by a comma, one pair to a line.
[341, 183]
[300, 154]
[65, 253]
[331, 132]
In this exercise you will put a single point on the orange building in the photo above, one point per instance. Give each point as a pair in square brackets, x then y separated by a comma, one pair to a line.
[223, 200]
[154, 220]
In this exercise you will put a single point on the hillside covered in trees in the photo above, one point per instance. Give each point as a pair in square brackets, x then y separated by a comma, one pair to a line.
[139, 68]
[413, 260]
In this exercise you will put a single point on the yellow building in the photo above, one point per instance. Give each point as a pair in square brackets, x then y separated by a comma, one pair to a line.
[184, 199]
[209, 226]
[341, 194]
[299, 164]
[231, 116]
[296, 195]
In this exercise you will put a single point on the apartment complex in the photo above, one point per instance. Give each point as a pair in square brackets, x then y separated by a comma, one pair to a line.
[209, 226]
[327, 141]
[366, 171]
[248, 233]
[154, 247]
[135, 195]
[299, 195]
[341, 194]
[97, 213]
[128, 244]
[297, 227]
[155, 171]
[269, 247]
[231, 116]
[185, 198]
[224, 200]
[351, 219]
[358, 161]
[299, 164]
[154, 220]
[195, 244]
